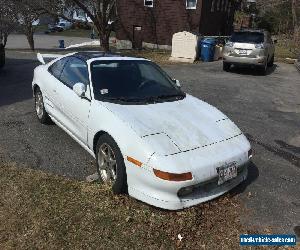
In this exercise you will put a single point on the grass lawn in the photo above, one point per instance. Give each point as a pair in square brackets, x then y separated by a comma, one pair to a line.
[70, 32]
[44, 211]
[40, 29]
[73, 33]
[157, 56]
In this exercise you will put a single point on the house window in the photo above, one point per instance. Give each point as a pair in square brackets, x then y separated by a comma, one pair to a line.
[191, 4]
[148, 3]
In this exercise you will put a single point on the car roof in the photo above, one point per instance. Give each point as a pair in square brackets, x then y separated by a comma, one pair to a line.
[252, 30]
[98, 55]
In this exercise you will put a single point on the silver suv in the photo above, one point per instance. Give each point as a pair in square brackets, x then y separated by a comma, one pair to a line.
[249, 47]
[2, 55]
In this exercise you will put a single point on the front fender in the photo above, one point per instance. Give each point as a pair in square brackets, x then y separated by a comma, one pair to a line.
[130, 144]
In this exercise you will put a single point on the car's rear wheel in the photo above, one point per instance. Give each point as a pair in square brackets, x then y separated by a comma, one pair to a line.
[110, 164]
[271, 63]
[41, 113]
[226, 66]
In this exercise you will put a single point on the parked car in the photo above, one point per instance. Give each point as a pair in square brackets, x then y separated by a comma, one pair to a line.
[2, 56]
[253, 48]
[165, 147]
[60, 26]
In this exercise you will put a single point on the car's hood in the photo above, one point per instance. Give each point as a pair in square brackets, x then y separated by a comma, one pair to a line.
[177, 126]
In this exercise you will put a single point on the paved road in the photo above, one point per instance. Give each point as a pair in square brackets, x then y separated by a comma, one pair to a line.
[266, 108]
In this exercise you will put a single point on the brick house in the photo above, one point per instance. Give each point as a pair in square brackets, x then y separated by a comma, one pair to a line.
[148, 23]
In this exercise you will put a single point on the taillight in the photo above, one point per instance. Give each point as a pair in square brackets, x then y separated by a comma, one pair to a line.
[229, 44]
[250, 153]
[259, 46]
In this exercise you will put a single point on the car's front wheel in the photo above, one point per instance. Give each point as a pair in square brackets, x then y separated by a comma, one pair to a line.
[110, 164]
[226, 66]
[41, 113]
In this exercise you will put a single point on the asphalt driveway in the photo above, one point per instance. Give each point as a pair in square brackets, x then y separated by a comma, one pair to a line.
[266, 108]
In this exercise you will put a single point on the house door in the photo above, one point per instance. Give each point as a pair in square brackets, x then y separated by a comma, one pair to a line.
[137, 37]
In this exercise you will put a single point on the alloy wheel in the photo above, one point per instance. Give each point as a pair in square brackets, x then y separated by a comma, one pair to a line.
[39, 105]
[107, 163]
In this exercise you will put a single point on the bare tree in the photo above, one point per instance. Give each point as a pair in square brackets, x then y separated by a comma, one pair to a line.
[295, 21]
[25, 14]
[7, 22]
[101, 12]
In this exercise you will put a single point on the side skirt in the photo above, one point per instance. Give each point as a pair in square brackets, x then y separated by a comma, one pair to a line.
[70, 134]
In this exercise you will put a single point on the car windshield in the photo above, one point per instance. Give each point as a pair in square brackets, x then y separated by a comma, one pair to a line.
[132, 81]
[247, 37]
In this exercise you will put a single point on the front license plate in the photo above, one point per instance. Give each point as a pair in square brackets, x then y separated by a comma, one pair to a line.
[227, 173]
[243, 52]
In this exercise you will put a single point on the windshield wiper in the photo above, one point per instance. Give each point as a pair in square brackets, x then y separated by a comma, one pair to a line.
[123, 99]
[178, 96]
[145, 99]
[164, 97]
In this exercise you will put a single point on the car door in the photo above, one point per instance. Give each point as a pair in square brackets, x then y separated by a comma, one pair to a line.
[50, 83]
[75, 109]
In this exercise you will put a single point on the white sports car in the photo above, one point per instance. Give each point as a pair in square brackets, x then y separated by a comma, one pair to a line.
[149, 138]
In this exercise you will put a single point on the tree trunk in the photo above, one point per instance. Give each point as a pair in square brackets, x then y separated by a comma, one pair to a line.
[5, 36]
[295, 20]
[30, 40]
[104, 41]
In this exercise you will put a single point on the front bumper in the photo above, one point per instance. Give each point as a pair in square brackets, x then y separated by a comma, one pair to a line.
[257, 61]
[204, 192]
[203, 163]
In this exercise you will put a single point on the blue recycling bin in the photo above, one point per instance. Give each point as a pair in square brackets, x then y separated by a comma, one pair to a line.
[208, 49]
[61, 44]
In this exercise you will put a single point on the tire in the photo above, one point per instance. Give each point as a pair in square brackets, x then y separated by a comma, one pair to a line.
[271, 63]
[2, 56]
[226, 66]
[110, 166]
[263, 69]
[41, 113]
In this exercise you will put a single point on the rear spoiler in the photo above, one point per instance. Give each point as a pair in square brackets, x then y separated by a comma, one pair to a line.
[41, 57]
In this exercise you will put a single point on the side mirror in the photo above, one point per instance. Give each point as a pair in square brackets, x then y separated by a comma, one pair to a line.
[79, 88]
[177, 82]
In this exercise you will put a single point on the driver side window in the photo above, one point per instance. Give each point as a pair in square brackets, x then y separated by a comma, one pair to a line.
[151, 74]
[75, 71]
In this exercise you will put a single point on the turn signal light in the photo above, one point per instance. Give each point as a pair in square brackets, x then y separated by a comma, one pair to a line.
[134, 161]
[173, 177]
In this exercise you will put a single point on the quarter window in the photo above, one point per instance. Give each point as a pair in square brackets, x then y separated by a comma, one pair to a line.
[191, 4]
[56, 68]
[148, 3]
[75, 71]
